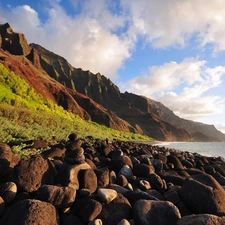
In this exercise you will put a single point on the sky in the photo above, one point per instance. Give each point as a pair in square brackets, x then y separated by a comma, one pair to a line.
[172, 51]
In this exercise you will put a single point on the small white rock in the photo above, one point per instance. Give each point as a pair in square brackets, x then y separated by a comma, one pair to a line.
[106, 195]
[124, 222]
[96, 222]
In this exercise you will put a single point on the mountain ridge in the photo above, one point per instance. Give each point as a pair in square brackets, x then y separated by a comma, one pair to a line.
[94, 96]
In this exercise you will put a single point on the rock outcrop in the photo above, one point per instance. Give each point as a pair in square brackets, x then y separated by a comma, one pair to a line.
[13, 42]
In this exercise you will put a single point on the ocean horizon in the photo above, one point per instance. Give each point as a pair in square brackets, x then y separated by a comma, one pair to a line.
[215, 149]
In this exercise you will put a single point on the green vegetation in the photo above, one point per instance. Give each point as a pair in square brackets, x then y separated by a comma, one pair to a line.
[25, 115]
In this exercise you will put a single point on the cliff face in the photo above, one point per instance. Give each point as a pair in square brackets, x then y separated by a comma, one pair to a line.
[95, 97]
[133, 109]
[15, 43]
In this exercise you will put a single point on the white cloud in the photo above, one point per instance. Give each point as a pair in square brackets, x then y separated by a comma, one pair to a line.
[174, 22]
[182, 87]
[19, 15]
[168, 76]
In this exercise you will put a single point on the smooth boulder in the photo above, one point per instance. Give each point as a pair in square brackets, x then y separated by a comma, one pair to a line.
[203, 194]
[201, 219]
[153, 212]
[60, 197]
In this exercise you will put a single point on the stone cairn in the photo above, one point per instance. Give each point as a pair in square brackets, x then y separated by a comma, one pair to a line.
[88, 182]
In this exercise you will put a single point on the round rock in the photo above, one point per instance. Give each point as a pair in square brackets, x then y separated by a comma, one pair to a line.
[8, 191]
[60, 197]
[30, 212]
[106, 195]
[155, 212]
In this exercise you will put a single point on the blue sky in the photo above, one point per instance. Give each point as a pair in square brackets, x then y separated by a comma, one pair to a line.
[171, 51]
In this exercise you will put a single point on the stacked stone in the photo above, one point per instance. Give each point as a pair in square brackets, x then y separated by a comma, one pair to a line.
[118, 183]
[74, 152]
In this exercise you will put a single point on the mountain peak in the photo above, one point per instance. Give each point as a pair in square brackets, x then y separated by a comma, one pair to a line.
[14, 43]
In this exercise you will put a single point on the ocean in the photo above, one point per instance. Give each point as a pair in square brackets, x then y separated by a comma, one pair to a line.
[204, 148]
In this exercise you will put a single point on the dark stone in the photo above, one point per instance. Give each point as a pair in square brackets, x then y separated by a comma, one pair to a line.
[201, 219]
[172, 196]
[21, 196]
[155, 181]
[210, 170]
[162, 157]
[155, 194]
[87, 181]
[90, 163]
[199, 164]
[73, 144]
[75, 156]
[219, 169]
[112, 177]
[155, 212]
[30, 212]
[115, 211]
[86, 209]
[172, 176]
[103, 177]
[220, 178]
[175, 161]
[32, 172]
[39, 144]
[134, 160]
[158, 164]
[70, 219]
[143, 185]
[114, 154]
[60, 197]
[187, 164]
[106, 151]
[6, 157]
[184, 211]
[136, 195]
[118, 162]
[194, 171]
[183, 173]
[121, 180]
[143, 170]
[203, 194]
[56, 151]
[73, 137]
[8, 191]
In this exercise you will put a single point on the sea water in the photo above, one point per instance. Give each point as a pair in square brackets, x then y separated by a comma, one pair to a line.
[204, 148]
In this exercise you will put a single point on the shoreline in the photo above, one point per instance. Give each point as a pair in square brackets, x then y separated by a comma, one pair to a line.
[130, 179]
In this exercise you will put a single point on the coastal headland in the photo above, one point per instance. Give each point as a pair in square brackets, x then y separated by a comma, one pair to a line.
[94, 181]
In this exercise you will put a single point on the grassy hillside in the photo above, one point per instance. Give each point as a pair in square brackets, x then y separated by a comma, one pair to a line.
[25, 115]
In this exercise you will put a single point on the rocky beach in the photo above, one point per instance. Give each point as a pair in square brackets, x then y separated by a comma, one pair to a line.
[92, 181]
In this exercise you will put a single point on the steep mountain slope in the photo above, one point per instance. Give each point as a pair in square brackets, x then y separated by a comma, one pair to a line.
[99, 88]
[199, 131]
[93, 96]
[137, 110]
